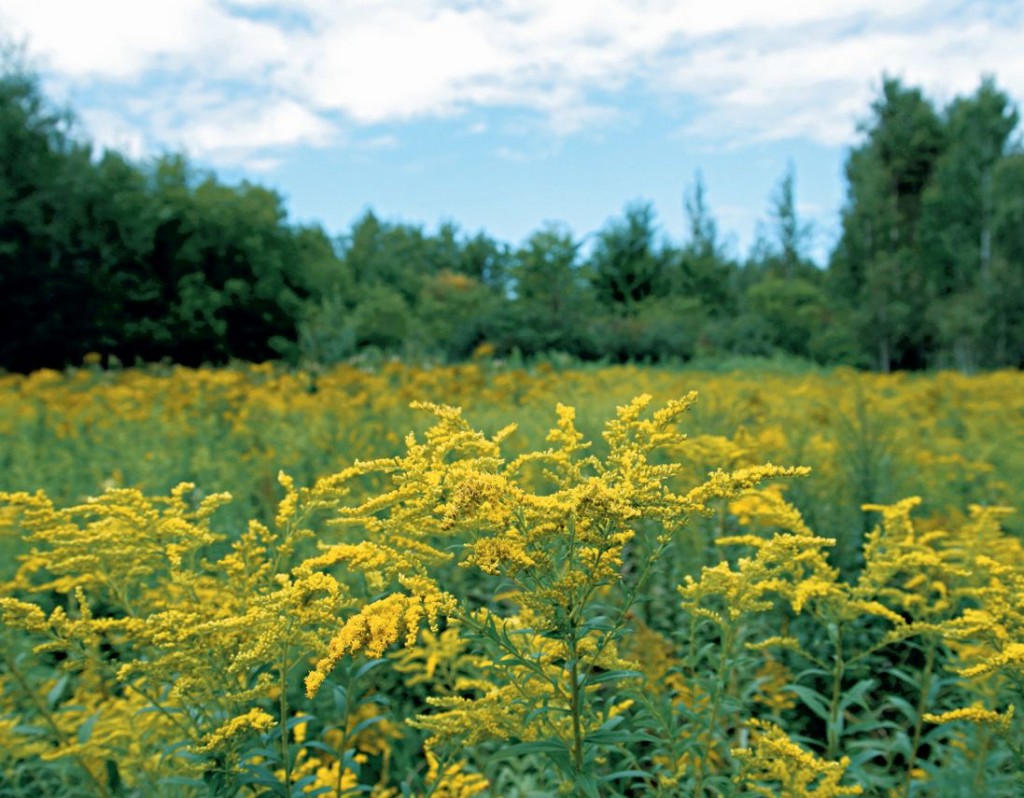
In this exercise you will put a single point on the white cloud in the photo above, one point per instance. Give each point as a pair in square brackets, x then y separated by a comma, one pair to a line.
[109, 130]
[819, 89]
[122, 40]
[242, 127]
[234, 78]
[383, 142]
[261, 165]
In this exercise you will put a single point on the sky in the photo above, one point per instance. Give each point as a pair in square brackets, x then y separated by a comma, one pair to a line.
[503, 115]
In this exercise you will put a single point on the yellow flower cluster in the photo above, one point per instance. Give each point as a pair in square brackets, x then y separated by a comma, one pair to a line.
[791, 564]
[868, 437]
[451, 780]
[377, 626]
[776, 767]
[975, 714]
[514, 586]
[255, 719]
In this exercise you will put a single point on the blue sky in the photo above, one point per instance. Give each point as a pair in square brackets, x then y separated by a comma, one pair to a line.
[501, 115]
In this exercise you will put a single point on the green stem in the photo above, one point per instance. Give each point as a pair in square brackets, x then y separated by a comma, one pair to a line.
[978, 787]
[47, 717]
[282, 703]
[575, 706]
[630, 600]
[691, 651]
[575, 615]
[442, 766]
[728, 633]
[922, 705]
[528, 663]
[343, 746]
[833, 731]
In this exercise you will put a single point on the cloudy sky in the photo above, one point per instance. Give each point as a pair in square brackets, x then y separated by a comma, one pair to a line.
[503, 114]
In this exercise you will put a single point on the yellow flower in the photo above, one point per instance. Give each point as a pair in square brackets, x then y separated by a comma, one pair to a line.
[255, 719]
[776, 767]
[453, 781]
[1011, 655]
[377, 626]
[975, 714]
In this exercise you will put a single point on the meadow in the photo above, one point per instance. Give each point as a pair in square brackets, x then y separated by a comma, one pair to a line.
[483, 579]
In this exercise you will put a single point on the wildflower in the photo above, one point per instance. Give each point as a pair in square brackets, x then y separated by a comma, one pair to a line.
[453, 781]
[22, 615]
[379, 625]
[975, 714]
[776, 767]
[1012, 655]
[255, 719]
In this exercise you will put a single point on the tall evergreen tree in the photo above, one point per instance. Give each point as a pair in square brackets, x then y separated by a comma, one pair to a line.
[628, 263]
[1005, 291]
[792, 235]
[704, 271]
[876, 265]
[955, 235]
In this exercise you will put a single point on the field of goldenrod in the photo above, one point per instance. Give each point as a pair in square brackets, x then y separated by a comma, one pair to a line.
[251, 581]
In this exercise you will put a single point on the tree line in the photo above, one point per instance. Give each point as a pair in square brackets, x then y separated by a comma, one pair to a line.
[160, 260]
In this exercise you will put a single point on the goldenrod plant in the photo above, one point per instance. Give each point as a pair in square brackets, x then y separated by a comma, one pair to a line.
[616, 611]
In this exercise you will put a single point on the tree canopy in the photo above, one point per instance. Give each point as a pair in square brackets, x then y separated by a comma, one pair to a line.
[160, 260]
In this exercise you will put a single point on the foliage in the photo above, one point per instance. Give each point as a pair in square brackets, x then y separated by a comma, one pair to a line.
[596, 608]
[175, 264]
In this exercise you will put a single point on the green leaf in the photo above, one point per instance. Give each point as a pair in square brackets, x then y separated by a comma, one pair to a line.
[275, 784]
[857, 694]
[266, 753]
[365, 724]
[325, 789]
[56, 693]
[587, 784]
[599, 623]
[183, 781]
[299, 785]
[316, 745]
[85, 730]
[812, 699]
[812, 672]
[30, 731]
[867, 754]
[295, 720]
[625, 736]
[913, 681]
[626, 774]
[905, 707]
[609, 676]
[368, 666]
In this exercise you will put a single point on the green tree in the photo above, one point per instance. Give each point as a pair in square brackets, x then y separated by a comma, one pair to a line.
[110, 236]
[230, 272]
[628, 263]
[382, 319]
[1005, 292]
[956, 224]
[794, 312]
[41, 293]
[552, 298]
[456, 313]
[704, 272]
[792, 235]
[399, 256]
[876, 266]
[478, 256]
